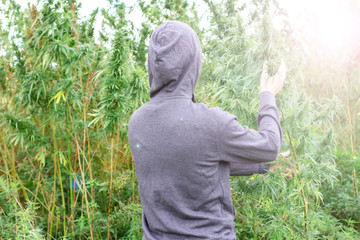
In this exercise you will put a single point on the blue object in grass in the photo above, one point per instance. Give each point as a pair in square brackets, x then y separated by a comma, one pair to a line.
[76, 184]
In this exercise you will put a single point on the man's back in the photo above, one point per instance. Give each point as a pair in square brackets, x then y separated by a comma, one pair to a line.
[184, 187]
[184, 152]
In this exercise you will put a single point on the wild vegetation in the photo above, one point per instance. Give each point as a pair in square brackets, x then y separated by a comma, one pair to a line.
[66, 97]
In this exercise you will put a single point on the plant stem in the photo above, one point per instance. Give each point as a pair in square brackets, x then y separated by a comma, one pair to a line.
[60, 178]
[305, 211]
[355, 187]
[302, 190]
[78, 149]
[111, 173]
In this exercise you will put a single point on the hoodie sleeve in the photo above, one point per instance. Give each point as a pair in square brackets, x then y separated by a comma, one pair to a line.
[246, 149]
[247, 169]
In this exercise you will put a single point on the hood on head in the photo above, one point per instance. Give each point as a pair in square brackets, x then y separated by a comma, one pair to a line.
[174, 60]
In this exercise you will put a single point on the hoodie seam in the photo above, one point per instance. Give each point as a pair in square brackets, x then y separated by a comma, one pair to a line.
[223, 193]
[156, 64]
[220, 166]
[162, 32]
[217, 139]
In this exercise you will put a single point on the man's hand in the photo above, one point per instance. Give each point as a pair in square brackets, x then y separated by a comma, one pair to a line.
[289, 171]
[273, 83]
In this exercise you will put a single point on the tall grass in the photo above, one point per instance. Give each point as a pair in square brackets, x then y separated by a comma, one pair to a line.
[65, 101]
[338, 74]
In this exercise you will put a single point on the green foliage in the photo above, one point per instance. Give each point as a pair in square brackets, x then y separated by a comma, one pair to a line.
[66, 98]
[17, 221]
[124, 87]
[343, 200]
[61, 89]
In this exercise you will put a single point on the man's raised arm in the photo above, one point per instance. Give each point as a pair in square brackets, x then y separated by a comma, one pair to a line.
[249, 150]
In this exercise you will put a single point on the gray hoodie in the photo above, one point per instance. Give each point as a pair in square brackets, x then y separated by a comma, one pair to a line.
[184, 152]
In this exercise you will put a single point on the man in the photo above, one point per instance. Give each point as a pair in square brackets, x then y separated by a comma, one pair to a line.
[185, 152]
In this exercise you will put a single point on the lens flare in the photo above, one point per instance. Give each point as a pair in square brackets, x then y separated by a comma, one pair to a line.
[336, 23]
[330, 24]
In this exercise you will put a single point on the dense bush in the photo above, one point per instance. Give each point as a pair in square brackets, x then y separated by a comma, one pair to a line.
[342, 199]
[66, 97]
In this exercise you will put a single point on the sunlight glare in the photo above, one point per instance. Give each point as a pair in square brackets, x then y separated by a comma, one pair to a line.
[336, 23]
[330, 24]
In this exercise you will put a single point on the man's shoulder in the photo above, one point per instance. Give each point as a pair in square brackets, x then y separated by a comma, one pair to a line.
[220, 114]
[214, 114]
[138, 113]
[201, 109]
